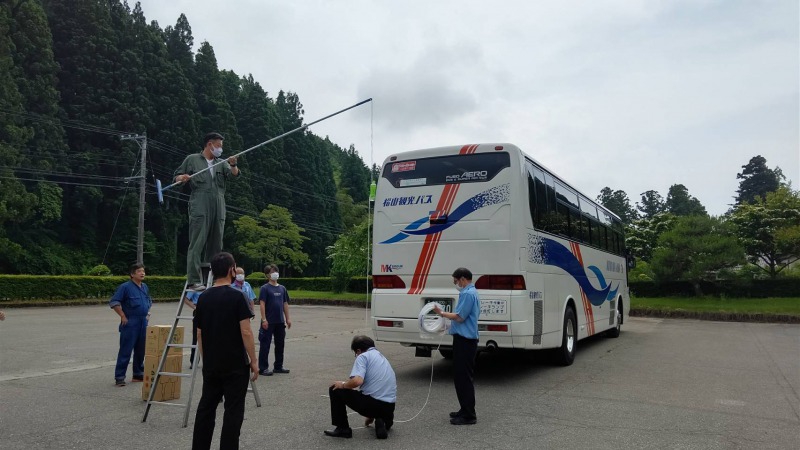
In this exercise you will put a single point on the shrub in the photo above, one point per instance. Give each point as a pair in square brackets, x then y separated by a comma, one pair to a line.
[100, 270]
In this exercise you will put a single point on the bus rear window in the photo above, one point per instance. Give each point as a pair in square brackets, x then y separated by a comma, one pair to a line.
[474, 168]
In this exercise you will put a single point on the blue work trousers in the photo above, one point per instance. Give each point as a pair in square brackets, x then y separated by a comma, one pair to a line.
[265, 339]
[132, 337]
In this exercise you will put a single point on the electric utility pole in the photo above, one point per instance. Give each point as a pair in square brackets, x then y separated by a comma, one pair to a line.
[140, 139]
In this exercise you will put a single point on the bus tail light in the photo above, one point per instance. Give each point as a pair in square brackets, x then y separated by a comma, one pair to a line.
[390, 323]
[501, 282]
[387, 282]
[487, 327]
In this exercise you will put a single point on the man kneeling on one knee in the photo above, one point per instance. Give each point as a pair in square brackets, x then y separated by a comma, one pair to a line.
[376, 398]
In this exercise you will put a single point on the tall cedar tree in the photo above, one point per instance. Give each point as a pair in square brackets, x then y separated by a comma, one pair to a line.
[35, 72]
[757, 180]
[680, 203]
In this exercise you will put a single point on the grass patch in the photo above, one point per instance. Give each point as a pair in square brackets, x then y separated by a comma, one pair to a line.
[744, 306]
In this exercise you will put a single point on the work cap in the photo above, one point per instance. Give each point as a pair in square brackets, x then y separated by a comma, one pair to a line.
[211, 136]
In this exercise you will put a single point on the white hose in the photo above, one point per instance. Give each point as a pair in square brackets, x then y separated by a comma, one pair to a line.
[432, 323]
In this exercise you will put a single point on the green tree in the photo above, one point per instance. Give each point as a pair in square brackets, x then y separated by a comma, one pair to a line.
[273, 238]
[350, 255]
[757, 180]
[618, 203]
[695, 249]
[16, 203]
[769, 229]
[652, 204]
[641, 237]
[680, 203]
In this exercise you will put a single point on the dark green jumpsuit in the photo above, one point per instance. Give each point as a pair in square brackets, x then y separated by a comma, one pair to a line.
[206, 212]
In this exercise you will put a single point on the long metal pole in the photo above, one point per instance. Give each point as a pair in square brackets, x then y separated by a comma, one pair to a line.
[161, 189]
[142, 184]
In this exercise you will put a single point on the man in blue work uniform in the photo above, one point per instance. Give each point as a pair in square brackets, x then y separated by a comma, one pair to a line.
[464, 328]
[375, 397]
[132, 303]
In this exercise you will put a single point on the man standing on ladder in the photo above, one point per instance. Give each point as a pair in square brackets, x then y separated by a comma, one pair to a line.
[206, 205]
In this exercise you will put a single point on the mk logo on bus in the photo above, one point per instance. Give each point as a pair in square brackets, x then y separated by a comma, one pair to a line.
[390, 267]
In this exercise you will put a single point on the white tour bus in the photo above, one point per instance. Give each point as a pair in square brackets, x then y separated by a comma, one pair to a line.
[548, 263]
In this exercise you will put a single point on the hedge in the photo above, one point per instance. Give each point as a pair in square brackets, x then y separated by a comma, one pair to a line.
[22, 287]
[783, 287]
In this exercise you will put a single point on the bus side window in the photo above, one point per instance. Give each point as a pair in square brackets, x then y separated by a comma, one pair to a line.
[532, 200]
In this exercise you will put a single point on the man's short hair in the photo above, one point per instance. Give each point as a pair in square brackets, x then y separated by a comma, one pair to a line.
[362, 343]
[221, 264]
[211, 136]
[462, 272]
[269, 268]
[134, 267]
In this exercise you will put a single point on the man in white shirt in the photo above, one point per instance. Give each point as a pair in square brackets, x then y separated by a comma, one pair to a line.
[376, 398]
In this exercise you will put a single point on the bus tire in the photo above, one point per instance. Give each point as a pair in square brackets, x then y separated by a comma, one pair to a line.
[614, 332]
[447, 353]
[565, 354]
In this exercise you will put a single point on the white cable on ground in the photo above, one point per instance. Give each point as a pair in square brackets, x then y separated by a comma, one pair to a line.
[430, 324]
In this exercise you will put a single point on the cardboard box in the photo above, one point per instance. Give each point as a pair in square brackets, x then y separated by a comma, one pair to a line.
[157, 339]
[169, 388]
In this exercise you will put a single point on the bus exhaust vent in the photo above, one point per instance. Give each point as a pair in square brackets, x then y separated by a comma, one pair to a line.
[537, 322]
[612, 313]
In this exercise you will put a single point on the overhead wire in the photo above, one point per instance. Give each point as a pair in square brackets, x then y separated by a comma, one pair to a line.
[121, 204]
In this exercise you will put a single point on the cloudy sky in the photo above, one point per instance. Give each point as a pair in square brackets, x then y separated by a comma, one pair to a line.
[630, 94]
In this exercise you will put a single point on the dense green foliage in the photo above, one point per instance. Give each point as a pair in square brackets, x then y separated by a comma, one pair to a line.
[75, 75]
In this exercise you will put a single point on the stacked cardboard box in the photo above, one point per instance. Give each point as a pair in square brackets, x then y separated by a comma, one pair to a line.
[169, 387]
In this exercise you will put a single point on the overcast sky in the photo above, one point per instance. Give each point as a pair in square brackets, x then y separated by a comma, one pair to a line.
[630, 94]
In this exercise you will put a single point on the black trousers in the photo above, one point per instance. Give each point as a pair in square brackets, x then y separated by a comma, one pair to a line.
[360, 403]
[234, 388]
[464, 352]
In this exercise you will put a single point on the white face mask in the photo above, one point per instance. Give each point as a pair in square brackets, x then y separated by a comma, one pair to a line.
[239, 277]
[274, 276]
[459, 288]
[216, 151]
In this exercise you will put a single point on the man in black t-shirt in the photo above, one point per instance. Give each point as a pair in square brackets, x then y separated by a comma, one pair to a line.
[225, 340]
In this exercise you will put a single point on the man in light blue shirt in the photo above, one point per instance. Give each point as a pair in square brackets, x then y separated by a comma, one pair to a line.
[376, 398]
[245, 287]
[464, 328]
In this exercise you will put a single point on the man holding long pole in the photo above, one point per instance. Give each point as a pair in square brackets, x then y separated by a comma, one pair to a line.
[206, 204]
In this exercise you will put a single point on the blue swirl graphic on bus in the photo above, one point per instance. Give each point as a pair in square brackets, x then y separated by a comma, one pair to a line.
[555, 254]
[493, 196]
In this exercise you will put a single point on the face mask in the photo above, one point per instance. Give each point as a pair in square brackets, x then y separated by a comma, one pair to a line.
[239, 277]
[459, 288]
[216, 151]
[274, 276]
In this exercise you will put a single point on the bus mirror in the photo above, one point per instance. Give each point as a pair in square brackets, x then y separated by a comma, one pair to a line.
[631, 261]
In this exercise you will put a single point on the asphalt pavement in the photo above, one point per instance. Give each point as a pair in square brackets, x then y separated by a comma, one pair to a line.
[662, 384]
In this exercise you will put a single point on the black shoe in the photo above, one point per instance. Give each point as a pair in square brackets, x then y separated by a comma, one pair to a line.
[282, 371]
[461, 420]
[455, 414]
[339, 432]
[380, 429]
[266, 373]
[119, 383]
[137, 379]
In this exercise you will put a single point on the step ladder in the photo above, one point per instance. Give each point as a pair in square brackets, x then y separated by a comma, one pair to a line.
[160, 371]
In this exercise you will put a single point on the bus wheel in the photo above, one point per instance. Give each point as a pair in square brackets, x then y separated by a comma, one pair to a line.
[614, 332]
[565, 355]
[447, 353]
